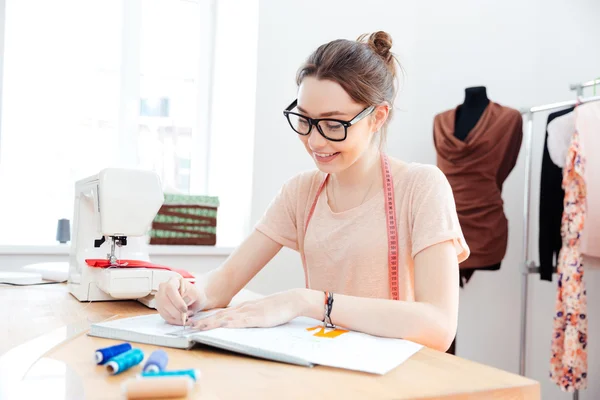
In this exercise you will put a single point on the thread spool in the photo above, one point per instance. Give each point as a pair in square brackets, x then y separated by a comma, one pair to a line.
[157, 361]
[63, 231]
[105, 354]
[192, 373]
[124, 361]
[154, 388]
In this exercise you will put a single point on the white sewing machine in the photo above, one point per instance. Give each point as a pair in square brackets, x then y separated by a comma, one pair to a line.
[113, 212]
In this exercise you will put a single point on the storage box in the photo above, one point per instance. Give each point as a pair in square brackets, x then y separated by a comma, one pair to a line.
[186, 220]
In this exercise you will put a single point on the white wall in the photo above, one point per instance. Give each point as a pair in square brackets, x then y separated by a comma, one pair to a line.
[526, 53]
[233, 93]
[2, 7]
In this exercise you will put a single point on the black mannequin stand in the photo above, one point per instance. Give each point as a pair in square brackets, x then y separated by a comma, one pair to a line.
[468, 113]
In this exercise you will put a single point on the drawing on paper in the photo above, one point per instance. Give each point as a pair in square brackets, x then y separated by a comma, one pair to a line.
[322, 332]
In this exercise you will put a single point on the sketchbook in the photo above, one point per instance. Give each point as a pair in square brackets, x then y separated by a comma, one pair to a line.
[302, 341]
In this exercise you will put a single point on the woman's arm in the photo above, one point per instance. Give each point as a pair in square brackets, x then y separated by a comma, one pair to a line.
[177, 298]
[224, 282]
[431, 320]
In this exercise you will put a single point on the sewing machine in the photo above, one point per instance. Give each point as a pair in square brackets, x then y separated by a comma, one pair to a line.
[113, 212]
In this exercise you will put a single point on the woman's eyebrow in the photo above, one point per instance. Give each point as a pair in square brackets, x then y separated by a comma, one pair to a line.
[325, 114]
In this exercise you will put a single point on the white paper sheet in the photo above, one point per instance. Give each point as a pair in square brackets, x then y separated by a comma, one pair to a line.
[350, 350]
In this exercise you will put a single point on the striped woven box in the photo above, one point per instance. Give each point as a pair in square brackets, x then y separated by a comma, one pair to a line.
[186, 220]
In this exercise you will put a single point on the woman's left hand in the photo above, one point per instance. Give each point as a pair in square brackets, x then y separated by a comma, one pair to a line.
[273, 310]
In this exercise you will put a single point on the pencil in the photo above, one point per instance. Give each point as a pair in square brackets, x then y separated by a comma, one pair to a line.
[184, 314]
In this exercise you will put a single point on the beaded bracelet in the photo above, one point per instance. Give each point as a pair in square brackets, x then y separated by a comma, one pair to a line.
[328, 305]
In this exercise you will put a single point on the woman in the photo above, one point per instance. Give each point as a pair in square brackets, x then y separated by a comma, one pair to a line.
[379, 238]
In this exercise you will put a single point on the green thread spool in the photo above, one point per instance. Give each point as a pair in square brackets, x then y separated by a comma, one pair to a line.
[124, 361]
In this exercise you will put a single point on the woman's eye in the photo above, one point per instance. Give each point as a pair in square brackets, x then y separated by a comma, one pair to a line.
[333, 126]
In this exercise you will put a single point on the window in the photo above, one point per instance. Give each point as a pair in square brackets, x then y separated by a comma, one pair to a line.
[87, 85]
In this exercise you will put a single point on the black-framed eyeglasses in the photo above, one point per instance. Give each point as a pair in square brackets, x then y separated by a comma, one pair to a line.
[330, 128]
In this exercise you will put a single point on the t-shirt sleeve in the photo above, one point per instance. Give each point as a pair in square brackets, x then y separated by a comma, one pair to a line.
[433, 214]
[279, 220]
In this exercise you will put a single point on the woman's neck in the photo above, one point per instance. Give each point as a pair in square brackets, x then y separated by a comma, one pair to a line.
[361, 173]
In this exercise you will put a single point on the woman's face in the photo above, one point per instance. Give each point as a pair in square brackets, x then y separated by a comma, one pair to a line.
[327, 99]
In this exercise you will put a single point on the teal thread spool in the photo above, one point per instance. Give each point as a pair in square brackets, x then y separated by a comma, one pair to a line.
[192, 373]
[124, 361]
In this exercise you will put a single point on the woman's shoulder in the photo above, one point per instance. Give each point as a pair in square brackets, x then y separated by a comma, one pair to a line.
[416, 175]
[304, 182]
[416, 182]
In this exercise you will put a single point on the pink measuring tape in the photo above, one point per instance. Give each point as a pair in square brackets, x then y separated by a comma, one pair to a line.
[392, 228]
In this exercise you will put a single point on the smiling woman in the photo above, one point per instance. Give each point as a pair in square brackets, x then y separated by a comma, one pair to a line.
[379, 238]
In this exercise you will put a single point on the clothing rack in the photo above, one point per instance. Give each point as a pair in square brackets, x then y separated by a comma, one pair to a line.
[529, 267]
[578, 87]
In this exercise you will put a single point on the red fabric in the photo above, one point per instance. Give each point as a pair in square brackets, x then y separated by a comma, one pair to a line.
[103, 263]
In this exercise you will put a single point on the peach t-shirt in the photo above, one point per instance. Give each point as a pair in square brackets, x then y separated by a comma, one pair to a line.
[347, 252]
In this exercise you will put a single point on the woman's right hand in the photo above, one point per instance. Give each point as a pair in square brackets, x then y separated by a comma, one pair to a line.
[178, 296]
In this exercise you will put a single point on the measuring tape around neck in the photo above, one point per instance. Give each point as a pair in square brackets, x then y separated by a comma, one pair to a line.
[392, 228]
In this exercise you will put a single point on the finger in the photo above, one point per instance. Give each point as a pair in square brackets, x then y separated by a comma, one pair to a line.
[166, 316]
[199, 303]
[161, 301]
[193, 295]
[175, 298]
[174, 315]
[183, 288]
[214, 321]
[187, 299]
[232, 319]
[243, 321]
[166, 289]
[211, 322]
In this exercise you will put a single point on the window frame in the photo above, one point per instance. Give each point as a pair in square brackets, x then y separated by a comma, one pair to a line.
[130, 90]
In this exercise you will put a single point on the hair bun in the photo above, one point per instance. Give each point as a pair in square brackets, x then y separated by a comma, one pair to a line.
[381, 43]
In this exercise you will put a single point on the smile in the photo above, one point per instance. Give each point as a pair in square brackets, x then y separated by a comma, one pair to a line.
[324, 154]
[325, 157]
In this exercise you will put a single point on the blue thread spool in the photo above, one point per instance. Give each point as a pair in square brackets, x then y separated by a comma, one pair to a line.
[105, 354]
[192, 373]
[157, 361]
[124, 361]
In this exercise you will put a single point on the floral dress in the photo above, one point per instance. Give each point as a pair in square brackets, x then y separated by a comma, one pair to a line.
[568, 365]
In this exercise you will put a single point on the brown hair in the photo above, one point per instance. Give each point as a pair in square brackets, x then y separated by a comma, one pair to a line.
[365, 68]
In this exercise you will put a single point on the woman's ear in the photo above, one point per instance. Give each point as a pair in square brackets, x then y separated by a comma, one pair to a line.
[380, 115]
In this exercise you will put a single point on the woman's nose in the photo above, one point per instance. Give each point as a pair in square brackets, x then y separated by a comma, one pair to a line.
[315, 139]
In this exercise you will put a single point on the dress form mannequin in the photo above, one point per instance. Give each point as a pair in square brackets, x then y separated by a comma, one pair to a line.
[468, 113]
[467, 116]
